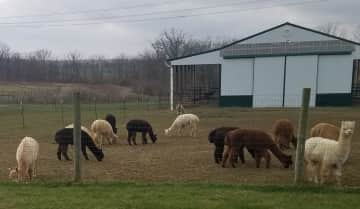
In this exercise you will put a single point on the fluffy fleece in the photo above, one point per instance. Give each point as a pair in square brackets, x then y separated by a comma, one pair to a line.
[259, 142]
[26, 156]
[101, 130]
[325, 157]
[181, 122]
[142, 126]
[325, 130]
[283, 130]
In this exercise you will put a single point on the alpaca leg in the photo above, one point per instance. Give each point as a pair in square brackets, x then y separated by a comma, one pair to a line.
[30, 173]
[310, 170]
[241, 155]
[59, 152]
[233, 156]
[325, 173]
[268, 158]
[134, 138]
[129, 137]
[217, 154]
[64, 148]
[35, 168]
[83, 149]
[257, 159]
[225, 155]
[144, 140]
[338, 173]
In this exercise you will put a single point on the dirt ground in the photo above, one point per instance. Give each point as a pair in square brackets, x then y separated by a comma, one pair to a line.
[170, 159]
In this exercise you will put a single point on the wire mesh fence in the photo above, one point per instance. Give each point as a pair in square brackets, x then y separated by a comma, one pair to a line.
[171, 158]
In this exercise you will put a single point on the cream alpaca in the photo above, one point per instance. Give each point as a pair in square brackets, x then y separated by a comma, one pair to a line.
[26, 157]
[325, 157]
[183, 121]
[101, 130]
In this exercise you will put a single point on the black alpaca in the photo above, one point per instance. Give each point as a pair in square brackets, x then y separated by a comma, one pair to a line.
[112, 120]
[142, 126]
[216, 137]
[64, 137]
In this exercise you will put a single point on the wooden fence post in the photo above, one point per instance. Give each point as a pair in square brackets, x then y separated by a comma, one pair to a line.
[301, 134]
[77, 137]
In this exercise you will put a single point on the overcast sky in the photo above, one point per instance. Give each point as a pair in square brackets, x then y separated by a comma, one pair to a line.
[115, 27]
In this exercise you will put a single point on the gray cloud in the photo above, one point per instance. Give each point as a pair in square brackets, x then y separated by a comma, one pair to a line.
[113, 37]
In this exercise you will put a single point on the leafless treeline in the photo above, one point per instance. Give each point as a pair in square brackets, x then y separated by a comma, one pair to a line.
[146, 72]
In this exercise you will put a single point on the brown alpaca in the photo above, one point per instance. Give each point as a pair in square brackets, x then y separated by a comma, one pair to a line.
[256, 140]
[325, 130]
[284, 134]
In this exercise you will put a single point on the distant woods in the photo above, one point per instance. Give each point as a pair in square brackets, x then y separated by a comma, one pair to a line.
[145, 73]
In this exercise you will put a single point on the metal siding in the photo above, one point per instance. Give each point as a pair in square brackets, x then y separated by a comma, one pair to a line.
[287, 33]
[236, 77]
[301, 72]
[268, 81]
[335, 74]
[208, 58]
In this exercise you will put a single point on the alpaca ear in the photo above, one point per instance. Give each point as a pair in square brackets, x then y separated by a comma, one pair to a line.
[9, 169]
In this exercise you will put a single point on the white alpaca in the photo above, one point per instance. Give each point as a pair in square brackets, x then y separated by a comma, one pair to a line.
[183, 121]
[101, 130]
[325, 157]
[26, 157]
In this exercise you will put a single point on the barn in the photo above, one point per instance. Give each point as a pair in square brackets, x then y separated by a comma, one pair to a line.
[270, 69]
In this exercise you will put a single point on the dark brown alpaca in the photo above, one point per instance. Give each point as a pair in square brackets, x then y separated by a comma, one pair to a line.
[256, 140]
[284, 134]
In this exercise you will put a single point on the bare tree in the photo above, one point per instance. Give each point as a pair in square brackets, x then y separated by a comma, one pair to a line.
[74, 59]
[333, 29]
[357, 33]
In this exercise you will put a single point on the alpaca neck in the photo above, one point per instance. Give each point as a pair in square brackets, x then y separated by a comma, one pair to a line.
[344, 145]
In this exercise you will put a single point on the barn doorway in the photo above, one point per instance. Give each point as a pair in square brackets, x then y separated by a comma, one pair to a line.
[355, 89]
[197, 84]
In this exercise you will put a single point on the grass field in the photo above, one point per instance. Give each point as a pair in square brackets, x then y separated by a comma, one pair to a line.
[171, 159]
[158, 196]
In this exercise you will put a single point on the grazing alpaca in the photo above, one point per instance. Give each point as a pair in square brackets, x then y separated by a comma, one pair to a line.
[112, 120]
[142, 126]
[64, 137]
[217, 136]
[284, 134]
[101, 130]
[325, 157]
[26, 157]
[325, 130]
[181, 122]
[180, 109]
[256, 140]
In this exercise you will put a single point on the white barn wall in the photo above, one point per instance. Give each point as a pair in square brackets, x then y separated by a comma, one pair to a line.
[268, 81]
[236, 77]
[287, 33]
[335, 74]
[301, 72]
[207, 58]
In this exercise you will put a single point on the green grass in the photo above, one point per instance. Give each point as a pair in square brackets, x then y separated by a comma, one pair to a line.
[157, 196]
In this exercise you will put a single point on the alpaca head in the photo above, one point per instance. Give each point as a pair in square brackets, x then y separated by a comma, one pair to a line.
[153, 138]
[287, 161]
[347, 128]
[13, 173]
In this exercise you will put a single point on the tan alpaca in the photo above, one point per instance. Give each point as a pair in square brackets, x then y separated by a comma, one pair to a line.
[325, 130]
